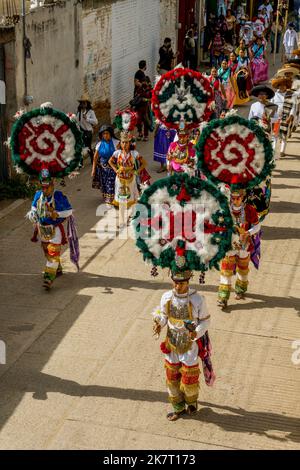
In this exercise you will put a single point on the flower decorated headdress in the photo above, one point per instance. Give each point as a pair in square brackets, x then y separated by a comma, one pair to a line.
[182, 99]
[46, 139]
[126, 121]
[235, 151]
[183, 223]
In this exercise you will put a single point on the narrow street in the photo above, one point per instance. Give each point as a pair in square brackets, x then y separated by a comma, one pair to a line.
[83, 370]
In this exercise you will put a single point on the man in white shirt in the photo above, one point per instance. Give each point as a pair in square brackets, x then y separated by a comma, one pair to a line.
[257, 109]
[268, 7]
[87, 120]
[290, 41]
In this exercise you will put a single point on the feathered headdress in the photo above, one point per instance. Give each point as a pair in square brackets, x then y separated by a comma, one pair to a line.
[46, 139]
[125, 121]
[235, 151]
[182, 98]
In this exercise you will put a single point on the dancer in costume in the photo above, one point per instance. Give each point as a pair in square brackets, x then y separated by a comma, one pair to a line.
[127, 164]
[47, 143]
[185, 314]
[163, 137]
[237, 260]
[236, 152]
[102, 173]
[181, 100]
[259, 63]
[219, 91]
[224, 75]
[181, 156]
[183, 223]
[49, 210]
[241, 76]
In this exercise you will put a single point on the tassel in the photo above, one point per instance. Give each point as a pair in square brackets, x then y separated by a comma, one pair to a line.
[154, 271]
[202, 278]
[34, 237]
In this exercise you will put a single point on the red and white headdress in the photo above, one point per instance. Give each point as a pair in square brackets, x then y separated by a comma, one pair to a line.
[46, 139]
[235, 151]
[182, 99]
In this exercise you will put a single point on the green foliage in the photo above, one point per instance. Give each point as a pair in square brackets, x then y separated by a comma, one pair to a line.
[16, 188]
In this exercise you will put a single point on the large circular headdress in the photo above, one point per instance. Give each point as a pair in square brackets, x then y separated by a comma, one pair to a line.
[235, 151]
[46, 138]
[182, 96]
[183, 223]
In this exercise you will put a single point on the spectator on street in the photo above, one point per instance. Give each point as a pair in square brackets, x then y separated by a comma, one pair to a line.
[190, 50]
[290, 40]
[166, 57]
[144, 93]
[87, 121]
[268, 7]
[230, 21]
[140, 75]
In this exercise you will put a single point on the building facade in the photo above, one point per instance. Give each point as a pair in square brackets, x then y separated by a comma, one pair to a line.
[88, 46]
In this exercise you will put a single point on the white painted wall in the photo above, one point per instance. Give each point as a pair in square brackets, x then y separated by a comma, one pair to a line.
[56, 73]
[135, 36]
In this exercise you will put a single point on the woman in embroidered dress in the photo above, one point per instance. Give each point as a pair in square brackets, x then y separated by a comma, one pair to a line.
[224, 75]
[259, 63]
[181, 157]
[103, 175]
[218, 89]
[242, 79]
[127, 165]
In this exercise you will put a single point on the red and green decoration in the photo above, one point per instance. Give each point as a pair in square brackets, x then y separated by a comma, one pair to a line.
[235, 151]
[46, 138]
[183, 223]
[182, 95]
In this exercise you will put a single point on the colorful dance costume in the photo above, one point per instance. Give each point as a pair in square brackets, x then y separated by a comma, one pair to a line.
[181, 158]
[237, 260]
[181, 352]
[46, 143]
[51, 230]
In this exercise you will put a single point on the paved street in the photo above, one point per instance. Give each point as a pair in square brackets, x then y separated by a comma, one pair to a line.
[83, 370]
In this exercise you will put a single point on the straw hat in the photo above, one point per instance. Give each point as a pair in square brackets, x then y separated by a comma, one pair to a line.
[263, 89]
[84, 97]
[287, 69]
[280, 81]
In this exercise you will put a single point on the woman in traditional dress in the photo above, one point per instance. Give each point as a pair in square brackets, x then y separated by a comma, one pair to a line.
[224, 75]
[219, 90]
[242, 45]
[163, 137]
[259, 63]
[241, 79]
[127, 164]
[103, 175]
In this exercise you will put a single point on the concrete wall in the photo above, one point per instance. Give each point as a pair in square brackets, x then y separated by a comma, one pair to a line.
[168, 20]
[97, 45]
[55, 75]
